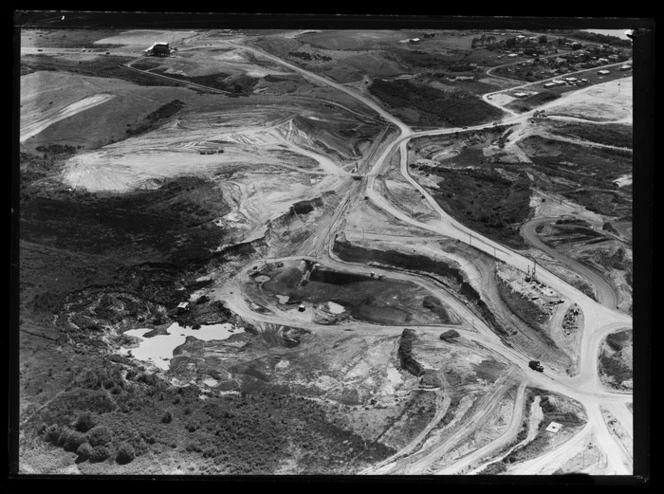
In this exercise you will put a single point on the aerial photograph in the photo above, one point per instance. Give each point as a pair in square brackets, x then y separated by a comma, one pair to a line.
[311, 251]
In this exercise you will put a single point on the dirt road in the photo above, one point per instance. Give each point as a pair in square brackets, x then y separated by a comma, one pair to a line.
[600, 320]
[605, 292]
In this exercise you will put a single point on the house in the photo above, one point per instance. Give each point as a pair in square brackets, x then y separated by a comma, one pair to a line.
[603, 72]
[625, 67]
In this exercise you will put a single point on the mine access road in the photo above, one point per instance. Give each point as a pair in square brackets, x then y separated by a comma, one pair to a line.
[600, 320]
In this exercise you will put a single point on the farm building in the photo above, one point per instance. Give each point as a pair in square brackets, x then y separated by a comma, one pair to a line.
[159, 49]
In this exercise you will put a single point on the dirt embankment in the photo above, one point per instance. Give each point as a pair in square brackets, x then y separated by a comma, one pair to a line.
[405, 353]
[450, 275]
[615, 361]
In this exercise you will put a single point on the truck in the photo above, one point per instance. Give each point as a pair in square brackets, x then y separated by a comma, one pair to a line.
[535, 365]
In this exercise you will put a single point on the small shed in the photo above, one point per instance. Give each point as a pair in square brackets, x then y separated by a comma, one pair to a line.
[553, 427]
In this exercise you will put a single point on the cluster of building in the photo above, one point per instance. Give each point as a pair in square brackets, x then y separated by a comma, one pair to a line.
[567, 81]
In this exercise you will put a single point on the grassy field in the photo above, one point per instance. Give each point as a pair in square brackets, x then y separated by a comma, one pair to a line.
[612, 134]
[485, 201]
[66, 38]
[530, 102]
[433, 107]
[111, 66]
[592, 169]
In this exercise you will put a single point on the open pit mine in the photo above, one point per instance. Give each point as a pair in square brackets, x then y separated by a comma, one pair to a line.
[337, 252]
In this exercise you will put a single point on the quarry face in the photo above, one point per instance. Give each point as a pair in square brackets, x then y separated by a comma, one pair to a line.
[343, 252]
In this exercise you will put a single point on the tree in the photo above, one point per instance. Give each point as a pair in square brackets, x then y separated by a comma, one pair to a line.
[99, 436]
[73, 439]
[84, 452]
[125, 454]
[543, 39]
[99, 453]
[84, 422]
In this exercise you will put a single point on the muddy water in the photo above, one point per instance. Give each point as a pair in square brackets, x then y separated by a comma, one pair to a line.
[158, 350]
[335, 308]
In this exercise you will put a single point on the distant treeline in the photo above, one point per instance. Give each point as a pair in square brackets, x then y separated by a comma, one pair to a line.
[436, 107]
[595, 37]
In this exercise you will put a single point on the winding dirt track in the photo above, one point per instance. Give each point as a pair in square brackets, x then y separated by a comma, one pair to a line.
[605, 292]
[600, 321]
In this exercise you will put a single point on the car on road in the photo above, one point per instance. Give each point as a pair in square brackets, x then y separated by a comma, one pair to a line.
[465, 128]
[535, 365]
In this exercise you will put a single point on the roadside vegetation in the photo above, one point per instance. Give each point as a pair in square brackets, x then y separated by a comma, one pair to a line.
[615, 361]
[612, 134]
[156, 118]
[433, 107]
[484, 201]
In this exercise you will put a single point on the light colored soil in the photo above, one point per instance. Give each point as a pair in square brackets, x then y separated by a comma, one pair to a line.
[610, 101]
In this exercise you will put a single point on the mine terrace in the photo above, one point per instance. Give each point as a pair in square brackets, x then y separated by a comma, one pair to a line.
[325, 252]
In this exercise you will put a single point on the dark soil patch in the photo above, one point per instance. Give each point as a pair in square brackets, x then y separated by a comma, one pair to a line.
[448, 274]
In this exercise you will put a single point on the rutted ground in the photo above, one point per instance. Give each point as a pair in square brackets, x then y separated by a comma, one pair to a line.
[262, 315]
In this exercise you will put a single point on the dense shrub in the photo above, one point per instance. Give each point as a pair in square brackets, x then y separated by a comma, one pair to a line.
[99, 453]
[84, 422]
[72, 440]
[99, 435]
[84, 452]
[167, 418]
[125, 453]
[52, 434]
